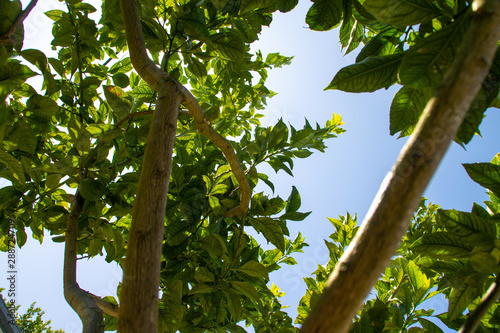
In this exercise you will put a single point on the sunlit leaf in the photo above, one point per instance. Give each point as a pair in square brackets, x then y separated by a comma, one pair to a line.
[369, 75]
[401, 13]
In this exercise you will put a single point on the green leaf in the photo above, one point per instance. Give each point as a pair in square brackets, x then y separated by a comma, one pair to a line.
[475, 114]
[119, 101]
[442, 245]
[245, 289]
[42, 106]
[486, 175]
[12, 76]
[92, 189]
[467, 225]
[293, 201]
[201, 288]
[406, 108]
[381, 44]
[324, 14]
[249, 5]
[271, 231]
[419, 281]
[428, 60]
[285, 6]
[369, 75]
[171, 310]
[429, 326]
[220, 4]
[143, 93]
[203, 274]
[233, 301]
[24, 138]
[229, 44]
[254, 268]
[460, 297]
[197, 68]
[214, 245]
[402, 13]
[14, 166]
[121, 80]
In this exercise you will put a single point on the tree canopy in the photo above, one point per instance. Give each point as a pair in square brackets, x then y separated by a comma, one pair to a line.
[176, 212]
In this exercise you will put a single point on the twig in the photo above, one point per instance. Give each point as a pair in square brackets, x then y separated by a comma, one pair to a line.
[133, 115]
[474, 318]
[8, 38]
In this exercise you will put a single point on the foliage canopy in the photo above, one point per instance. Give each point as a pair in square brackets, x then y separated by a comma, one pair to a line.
[84, 135]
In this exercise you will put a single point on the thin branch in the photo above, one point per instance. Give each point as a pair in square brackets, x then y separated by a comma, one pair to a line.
[106, 307]
[203, 125]
[474, 318]
[400, 193]
[8, 38]
[133, 115]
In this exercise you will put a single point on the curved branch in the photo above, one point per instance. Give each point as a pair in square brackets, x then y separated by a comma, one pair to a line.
[391, 211]
[203, 125]
[106, 307]
[156, 77]
[77, 298]
[8, 37]
[474, 318]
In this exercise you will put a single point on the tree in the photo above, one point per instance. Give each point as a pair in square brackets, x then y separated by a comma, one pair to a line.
[31, 321]
[437, 58]
[210, 272]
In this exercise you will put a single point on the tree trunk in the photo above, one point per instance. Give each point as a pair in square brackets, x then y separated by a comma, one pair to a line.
[138, 310]
[388, 218]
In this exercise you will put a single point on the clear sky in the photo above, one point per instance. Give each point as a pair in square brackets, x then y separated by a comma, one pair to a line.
[345, 178]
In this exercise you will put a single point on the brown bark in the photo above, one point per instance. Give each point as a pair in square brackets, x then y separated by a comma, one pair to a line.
[8, 37]
[388, 218]
[156, 77]
[83, 304]
[138, 310]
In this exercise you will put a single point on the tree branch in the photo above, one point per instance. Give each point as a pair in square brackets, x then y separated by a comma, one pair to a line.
[388, 218]
[8, 37]
[106, 307]
[203, 125]
[156, 77]
[474, 318]
[77, 298]
[138, 310]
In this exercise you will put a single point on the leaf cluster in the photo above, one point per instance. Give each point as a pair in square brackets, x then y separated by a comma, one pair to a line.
[445, 253]
[411, 43]
[86, 130]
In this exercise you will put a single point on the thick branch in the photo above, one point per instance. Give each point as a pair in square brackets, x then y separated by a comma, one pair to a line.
[8, 37]
[388, 218]
[474, 318]
[139, 57]
[77, 298]
[138, 310]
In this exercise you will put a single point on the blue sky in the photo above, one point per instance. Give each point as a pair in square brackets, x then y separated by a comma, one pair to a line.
[344, 179]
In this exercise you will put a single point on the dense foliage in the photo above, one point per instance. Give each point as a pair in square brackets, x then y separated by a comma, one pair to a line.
[86, 130]
[445, 253]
